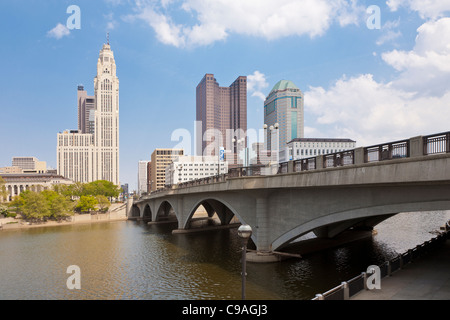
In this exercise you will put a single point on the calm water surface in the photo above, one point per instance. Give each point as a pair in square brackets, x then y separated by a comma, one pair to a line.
[131, 260]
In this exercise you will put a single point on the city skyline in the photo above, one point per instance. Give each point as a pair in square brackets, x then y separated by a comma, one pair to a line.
[371, 85]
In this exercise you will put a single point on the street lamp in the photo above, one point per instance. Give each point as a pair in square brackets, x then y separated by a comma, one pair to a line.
[244, 232]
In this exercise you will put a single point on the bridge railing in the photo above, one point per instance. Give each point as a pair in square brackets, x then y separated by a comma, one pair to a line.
[305, 164]
[339, 159]
[387, 151]
[251, 171]
[283, 168]
[348, 289]
[435, 144]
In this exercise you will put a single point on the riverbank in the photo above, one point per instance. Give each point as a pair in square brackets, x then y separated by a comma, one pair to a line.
[116, 213]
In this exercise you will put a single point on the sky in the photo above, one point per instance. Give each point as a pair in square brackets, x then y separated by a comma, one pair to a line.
[371, 71]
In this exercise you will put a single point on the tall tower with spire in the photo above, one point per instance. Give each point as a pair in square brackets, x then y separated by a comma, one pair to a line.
[90, 155]
[106, 86]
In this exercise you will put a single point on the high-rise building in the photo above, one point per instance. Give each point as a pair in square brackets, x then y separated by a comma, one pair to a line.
[86, 112]
[222, 111]
[284, 106]
[92, 152]
[161, 158]
[142, 177]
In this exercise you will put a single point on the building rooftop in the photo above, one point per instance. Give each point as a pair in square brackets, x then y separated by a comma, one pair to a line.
[321, 140]
[284, 85]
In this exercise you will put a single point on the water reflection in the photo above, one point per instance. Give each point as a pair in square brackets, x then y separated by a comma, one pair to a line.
[129, 260]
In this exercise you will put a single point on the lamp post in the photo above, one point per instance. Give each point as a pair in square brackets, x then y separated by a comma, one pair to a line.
[244, 232]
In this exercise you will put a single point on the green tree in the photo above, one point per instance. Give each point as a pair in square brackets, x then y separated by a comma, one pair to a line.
[3, 191]
[103, 203]
[35, 206]
[3, 210]
[59, 205]
[86, 204]
[102, 188]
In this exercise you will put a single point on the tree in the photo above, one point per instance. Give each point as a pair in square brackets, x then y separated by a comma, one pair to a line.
[59, 205]
[3, 210]
[86, 204]
[103, 203]
[34, 206]
[102, 188]
[3, 191]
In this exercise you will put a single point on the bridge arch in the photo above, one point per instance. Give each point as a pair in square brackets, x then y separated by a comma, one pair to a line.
[147, 213]
[336, 223]
[165, 211]
[135, 212]
[213, 205]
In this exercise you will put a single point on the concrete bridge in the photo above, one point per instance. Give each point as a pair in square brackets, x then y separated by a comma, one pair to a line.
[327, 194]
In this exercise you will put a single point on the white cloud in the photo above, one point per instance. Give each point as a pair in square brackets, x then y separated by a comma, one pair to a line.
[256, 83]
[389, 32]
[426, 68]
[59, 31]
[415, 102]
[426, 8]
[216, 20]
[370, 112]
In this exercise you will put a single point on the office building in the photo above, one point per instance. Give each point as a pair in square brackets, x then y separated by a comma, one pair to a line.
[92, 152]
[303, 148]
[86, 112]
[161, 158]
[29, 164]
[142, 177]
[222, 112]
[188, 168]
[284, 106]
[149, 177]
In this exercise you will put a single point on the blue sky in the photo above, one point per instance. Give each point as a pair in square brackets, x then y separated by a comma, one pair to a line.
[370, 85]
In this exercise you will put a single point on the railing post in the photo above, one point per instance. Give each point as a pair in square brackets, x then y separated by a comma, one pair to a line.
[359, 156]
[417, 147]
[320, 163]
[364, 274]
[346, 291]
[291, 167]
[447, 137]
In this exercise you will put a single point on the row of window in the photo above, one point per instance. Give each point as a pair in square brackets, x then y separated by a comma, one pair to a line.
[315, 152]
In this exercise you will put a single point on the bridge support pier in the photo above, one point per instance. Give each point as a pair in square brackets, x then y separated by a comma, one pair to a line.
[263, 253]
[262, 225]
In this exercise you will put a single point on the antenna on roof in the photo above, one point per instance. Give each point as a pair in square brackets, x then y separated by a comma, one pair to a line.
[107, 38]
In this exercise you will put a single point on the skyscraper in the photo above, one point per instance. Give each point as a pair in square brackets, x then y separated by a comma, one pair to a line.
[221, 109]
[106, 137]
[142, 177]
[86, 111]
[92, 152]
[285, 106]
[161, 158]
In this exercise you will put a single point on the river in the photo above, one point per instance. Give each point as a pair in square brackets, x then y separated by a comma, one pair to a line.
[129, 260]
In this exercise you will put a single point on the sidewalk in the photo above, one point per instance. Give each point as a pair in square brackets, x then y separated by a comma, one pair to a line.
[425, 279]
